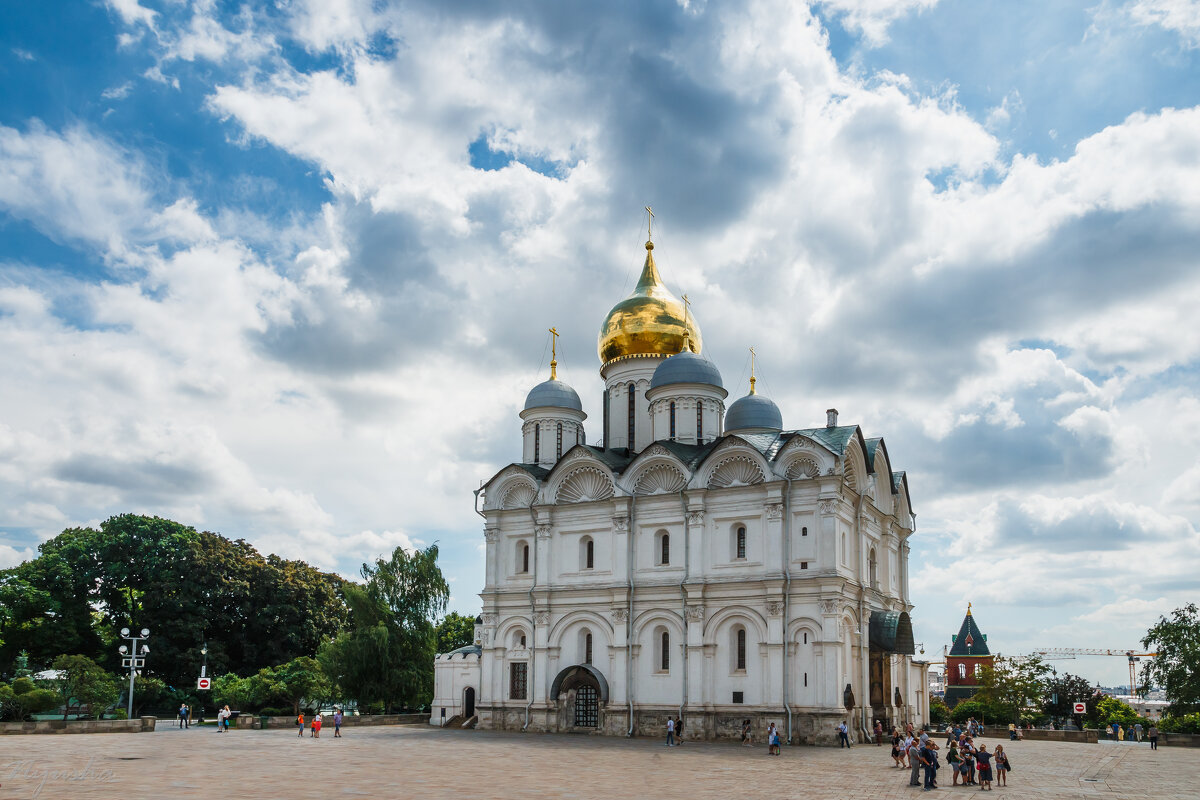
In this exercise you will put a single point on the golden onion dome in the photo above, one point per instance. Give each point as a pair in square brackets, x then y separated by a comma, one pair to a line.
[650, 322]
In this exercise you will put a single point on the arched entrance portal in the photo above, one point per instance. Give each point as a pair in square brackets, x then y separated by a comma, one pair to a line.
[581, 693]
[469, 702]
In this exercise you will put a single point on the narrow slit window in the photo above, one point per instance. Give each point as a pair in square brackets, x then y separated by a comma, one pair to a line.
[537, 442]
[559, 455]
[665, 662]
[524, 558]
[741, 543]
[741, 648]
[699, 423]
[664, 553]
[632, 414]
[590, 554]
[587, 649]
[672, 434]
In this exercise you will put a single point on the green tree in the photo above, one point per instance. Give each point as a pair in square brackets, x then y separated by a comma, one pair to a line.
[455, 631]
[230, 690]
[387, 657]
[84, 681]
[1176, 668]
[149, 692]
[188, 586]
[1062, 693]
[939, 712]
[1110, 709]
[303, 679]
[1013, 685]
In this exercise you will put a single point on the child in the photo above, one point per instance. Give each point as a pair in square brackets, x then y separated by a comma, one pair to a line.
[316, 726]
[300, 725]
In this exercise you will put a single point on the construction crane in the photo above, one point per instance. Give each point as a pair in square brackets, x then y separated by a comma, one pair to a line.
[1051, 653]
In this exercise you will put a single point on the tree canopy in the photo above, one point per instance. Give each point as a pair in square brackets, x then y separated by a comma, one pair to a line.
[455, 631]
[1177, 666]
[189, 587]
[1013, 685]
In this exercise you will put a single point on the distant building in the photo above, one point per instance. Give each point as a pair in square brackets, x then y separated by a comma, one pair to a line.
[937, 684]
[1153, 710]
[966, 660]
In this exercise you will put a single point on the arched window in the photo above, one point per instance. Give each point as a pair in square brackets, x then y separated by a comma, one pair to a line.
[979, 671]
[699, 422]
[873, 567]
[739, 543]
[523, 556]
[537, 442]
[559, 441]
[740, 648]
[587, 648]
[664, 548]
[962, 672]
[587, 553]
[664, 656]
[804, 531]
[672, 434]
[632, 414]
[806, 637]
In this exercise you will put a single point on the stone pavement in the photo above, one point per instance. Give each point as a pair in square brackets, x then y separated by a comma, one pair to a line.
[422, 762]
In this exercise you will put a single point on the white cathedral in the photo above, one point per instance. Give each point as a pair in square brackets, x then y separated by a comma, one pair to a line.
[704, 563]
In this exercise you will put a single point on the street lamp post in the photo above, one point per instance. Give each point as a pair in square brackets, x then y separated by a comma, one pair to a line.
[133, 657]
[204, 666]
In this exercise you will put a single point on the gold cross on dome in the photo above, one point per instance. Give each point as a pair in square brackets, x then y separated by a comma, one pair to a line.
[752, 378]
[553, 354]
[649, 223]
[686, 333]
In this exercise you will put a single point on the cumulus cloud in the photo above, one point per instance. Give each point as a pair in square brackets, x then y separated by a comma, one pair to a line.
[1182, 16]
[333, 385]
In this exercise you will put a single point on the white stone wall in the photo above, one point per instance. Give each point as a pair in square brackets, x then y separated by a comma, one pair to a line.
[453, 674]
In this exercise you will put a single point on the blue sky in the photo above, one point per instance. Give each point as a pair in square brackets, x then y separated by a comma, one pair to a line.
[284, 270]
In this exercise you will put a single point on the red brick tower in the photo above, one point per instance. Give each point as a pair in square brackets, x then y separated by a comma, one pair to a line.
[968, 656]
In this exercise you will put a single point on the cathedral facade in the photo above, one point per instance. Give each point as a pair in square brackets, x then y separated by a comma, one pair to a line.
[704, 563]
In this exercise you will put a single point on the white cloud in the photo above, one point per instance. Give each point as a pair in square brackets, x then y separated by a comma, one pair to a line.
[118, 92]
[872, 17]
[1182, 16]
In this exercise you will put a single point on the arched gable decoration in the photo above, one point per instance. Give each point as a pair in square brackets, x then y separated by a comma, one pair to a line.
[584, 485]
[736, 470]
[850, 475]
[519, 495]
[803, 467]
[659, 479]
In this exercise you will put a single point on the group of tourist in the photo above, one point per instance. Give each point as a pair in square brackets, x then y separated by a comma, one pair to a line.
[1117, 733]
[973, 764]
[314, 727]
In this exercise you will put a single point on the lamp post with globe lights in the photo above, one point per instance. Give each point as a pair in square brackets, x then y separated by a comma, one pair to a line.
[134, 657]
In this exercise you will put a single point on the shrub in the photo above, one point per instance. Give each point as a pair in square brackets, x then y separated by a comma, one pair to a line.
[1186, 723]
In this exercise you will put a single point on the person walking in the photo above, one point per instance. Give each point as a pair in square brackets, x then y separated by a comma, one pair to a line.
[670, 732]
[1120, 732]
[878, 733]
[772, 740]
[843, 735]
[300, 725]
[337, 723]
[678, 731]
[914, 760]
[221, 720]
[1108, 732]
[1137, 732]
[898, 755]
[1002, 765]
[183, 715]
[1153, 735]
[984, 759]
[747, 737]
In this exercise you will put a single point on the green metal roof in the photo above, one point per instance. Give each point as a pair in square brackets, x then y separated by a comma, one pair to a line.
[969, 641]
[891, 632]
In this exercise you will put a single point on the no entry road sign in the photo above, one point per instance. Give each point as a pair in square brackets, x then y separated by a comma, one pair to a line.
[204, 683]
[1081, 708]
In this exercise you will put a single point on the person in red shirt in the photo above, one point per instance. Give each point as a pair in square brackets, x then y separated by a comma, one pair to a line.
[316, 726]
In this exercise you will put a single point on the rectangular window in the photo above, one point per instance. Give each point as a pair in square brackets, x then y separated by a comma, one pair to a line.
[537, 442]
[803, 565]
[699, 423]
[737, 697]
[672, 435]
[518, 679]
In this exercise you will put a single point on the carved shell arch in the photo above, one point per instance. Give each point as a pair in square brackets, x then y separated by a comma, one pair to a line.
[584, 485]
[850, 475]
[660, 478]
[803, 466]
[519, 494]
[735, 470]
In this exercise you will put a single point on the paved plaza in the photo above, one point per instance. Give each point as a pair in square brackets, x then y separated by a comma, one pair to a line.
[422, 762]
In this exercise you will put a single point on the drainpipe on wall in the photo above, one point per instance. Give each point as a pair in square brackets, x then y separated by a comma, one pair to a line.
[532, 619]
[629, 621]
[864, 624]
[787, 591]
[683, 600]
